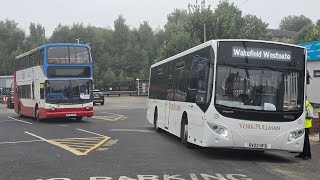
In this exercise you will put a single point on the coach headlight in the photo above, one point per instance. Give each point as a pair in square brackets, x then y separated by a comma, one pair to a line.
[295, 134]
[220, 130]
[88, 107]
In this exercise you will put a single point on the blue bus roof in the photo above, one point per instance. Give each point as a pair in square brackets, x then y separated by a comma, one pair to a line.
[313, 50]
[50, 45]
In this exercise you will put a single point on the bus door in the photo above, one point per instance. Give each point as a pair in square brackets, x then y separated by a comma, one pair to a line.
[169, 94]
[179, 94]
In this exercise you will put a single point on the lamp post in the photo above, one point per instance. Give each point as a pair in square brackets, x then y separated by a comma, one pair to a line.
[78, 40]
[138, 87]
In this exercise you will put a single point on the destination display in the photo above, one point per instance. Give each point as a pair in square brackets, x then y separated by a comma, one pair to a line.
[258, 53]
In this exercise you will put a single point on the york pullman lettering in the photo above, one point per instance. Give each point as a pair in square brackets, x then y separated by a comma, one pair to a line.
[259, 127]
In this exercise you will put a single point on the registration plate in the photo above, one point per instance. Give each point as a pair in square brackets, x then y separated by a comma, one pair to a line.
[71, 115]
[258, 146]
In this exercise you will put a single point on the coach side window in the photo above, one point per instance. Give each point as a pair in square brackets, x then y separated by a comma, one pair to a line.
[180, 82]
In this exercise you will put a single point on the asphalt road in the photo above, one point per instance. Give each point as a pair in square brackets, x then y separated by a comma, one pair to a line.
[119, 143]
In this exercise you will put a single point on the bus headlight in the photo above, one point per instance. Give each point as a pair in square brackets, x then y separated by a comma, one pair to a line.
[220, 130]
[88, 107]
[295, 134]
[53, 108]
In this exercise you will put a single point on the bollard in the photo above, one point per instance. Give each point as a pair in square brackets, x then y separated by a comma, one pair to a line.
[4, 100]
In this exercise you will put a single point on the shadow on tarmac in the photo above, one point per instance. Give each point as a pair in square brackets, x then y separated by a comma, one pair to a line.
[52, 120]
[229, 154]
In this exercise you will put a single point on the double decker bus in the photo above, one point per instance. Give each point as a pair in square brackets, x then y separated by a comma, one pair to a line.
[54, 81]
[242, 94]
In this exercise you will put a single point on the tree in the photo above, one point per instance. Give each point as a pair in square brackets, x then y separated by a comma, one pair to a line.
[186, 29]
[36, 36]
[307, 34]
[254, 28]
[227, 21]
[11, 41]
[294, 23]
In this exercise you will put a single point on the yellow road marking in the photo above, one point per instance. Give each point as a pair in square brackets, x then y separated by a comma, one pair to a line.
[81, 148]
[111, 142]
[78, 151]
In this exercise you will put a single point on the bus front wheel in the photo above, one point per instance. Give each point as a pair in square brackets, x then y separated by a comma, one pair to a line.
[36, 114]
[184, 133]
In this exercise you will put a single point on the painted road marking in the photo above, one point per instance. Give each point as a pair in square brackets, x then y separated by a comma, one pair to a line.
[113, 117]
[80, 146]
[216, 176]
[132, 130]
[77, 146]
[19, 120]
[108, 144]
[17, 142]
[90, 132]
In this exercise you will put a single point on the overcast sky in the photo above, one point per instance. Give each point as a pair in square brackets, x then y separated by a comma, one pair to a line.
[102, 13]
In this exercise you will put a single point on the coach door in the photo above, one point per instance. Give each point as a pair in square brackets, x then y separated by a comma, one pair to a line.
[169, 98]
[179, 94]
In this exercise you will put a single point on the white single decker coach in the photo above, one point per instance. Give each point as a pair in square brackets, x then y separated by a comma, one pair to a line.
[243, 94]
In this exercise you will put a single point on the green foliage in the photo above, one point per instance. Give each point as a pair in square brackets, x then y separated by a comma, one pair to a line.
[294, 23]
[254, 28]
[188, 28]
[36, 36]
[122, 54]
[307, 34]
[11, 41]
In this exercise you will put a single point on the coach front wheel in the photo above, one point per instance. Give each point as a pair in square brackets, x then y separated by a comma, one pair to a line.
[184, 134]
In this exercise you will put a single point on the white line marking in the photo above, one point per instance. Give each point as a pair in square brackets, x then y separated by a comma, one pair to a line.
[7, 121]
[43, 139]
[7, 109]
[90, 132]
[17, 142]
[19, 120]
[132, 130]
[63, 125]
[109, 113]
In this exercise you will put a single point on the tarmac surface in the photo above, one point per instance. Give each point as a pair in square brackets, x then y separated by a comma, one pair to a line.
[119, 143]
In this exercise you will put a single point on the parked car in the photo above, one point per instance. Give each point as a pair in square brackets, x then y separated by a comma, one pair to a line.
[10, 100]
[98, 97]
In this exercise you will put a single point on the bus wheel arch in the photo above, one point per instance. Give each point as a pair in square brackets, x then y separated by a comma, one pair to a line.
[19, 109]
[184, 130]
[155, 119]
[37, 113]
